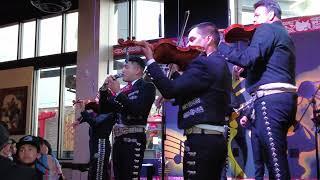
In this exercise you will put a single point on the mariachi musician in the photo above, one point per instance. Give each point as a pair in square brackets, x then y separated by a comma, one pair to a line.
[100, 116]
[269, 64]
[132, 105]
[203, 95]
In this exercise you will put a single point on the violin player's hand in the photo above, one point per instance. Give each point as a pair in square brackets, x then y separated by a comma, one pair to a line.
[106, 81]
[223, 41]
[74, 124]
[237, 71]
[244, 121]
[146, 49]
[174, 68]
[159, 101]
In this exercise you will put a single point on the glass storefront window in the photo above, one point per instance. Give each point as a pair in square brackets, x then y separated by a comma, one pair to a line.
[71, 32]
[247, 17]
[121, 21]
[149, 14]
[28, 39]
[300, 8]
[48, 105]
[147, 19]
[244, 9]
[57, 130]
[50, 36]
[147, 23]
[154, 137]
[8, 43]
[67, 133]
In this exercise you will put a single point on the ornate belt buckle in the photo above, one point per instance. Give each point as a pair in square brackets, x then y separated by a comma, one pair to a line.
[116, 131]
[188, 131]
[260, 93]
[125, 130]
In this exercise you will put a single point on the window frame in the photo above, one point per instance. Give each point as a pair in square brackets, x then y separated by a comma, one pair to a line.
[63, 60]
[60, 108]
[17, 53]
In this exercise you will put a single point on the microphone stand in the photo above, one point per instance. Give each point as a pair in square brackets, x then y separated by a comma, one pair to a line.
[296, 124]
[316, 121]
[163, 137]
[169, 73]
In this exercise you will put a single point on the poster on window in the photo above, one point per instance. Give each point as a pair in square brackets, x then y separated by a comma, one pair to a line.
[13, 105]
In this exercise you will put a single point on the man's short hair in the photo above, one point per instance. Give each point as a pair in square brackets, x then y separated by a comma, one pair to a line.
[208, 28]
[4, 125]
[139, 61]
[271, 5]
[12, 141]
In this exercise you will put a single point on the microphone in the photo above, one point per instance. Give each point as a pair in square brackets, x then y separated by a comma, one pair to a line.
[117, 76]
[104, 86]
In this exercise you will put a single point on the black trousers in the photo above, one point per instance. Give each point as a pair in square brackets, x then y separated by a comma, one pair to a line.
[127, 155]
[99, 160]
[274, 114]
[99, 144]
[204, 156]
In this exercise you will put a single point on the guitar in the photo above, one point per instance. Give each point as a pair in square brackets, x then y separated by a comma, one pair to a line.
[234, 166]
[232, 132]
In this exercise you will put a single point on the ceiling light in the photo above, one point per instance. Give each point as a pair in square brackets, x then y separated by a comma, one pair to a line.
[52, 6]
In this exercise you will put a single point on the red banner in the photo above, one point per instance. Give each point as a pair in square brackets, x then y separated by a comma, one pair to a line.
[302, 24]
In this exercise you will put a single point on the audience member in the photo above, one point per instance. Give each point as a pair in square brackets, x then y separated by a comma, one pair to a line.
[8, 169]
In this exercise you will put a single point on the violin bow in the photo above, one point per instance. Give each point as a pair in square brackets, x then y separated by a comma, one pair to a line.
[185, 22]
[180, 38]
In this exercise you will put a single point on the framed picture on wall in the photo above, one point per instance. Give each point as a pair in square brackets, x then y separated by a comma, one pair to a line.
[13, 107]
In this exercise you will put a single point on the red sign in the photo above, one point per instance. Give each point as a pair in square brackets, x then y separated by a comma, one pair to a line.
[302, 24]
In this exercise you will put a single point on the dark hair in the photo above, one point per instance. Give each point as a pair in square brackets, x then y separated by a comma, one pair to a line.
[5, 125]
[208, 28]
[45, 142]
[137, 60]
[12, 141]
[271, 5]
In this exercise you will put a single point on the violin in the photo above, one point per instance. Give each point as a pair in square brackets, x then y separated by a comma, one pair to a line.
[88, 104]
[239, 32]
[165, 51]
